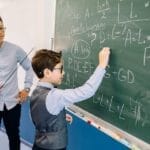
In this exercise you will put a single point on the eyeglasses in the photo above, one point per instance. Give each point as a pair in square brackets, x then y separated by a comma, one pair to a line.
[61, 69]
[2, 28]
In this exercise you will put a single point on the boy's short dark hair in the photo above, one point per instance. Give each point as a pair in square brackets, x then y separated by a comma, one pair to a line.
[43, 59]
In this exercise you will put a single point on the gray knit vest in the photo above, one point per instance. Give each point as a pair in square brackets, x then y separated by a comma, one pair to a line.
[51, 130]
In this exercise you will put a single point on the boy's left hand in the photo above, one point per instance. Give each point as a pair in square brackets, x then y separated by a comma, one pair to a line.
[69, 118]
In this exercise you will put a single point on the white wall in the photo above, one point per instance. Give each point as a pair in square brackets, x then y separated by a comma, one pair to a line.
[29, 23]
[49, 19]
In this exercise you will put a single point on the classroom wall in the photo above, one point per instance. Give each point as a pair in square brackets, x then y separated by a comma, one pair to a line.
[30, 24]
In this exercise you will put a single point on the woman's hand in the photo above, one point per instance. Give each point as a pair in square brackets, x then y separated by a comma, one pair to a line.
[22, 96]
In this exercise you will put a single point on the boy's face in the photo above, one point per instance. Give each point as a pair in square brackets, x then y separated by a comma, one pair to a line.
[57, 74]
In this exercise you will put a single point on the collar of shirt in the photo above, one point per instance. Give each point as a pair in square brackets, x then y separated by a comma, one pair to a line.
[46, 84]
[2, 44]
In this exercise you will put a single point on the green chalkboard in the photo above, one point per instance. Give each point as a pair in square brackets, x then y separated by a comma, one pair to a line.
[85, 26]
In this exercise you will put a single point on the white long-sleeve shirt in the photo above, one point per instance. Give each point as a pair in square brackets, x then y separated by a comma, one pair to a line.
[57, 99]
[10, 56]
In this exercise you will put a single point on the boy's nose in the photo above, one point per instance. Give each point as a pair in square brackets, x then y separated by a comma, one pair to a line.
[63, 73]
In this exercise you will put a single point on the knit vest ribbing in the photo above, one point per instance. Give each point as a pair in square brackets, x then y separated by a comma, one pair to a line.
[51, 130]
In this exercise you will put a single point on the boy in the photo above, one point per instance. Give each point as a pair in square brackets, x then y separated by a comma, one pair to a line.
[48, 103]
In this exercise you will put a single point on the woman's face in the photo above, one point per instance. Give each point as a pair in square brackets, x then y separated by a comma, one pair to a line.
[2, 32]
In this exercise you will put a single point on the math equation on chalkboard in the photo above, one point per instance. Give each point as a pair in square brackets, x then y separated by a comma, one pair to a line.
[83, 27]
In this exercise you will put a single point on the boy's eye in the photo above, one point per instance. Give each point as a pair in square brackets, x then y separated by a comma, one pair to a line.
[60, 68]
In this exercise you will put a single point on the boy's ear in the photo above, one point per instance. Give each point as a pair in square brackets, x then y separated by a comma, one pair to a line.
[47, 72]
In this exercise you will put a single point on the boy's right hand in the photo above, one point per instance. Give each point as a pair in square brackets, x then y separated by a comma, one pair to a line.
[104, 57]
